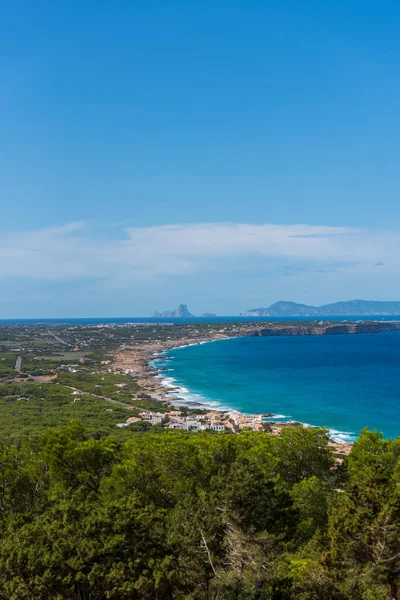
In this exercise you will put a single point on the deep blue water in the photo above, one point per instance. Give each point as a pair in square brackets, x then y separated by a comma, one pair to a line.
[345, 382]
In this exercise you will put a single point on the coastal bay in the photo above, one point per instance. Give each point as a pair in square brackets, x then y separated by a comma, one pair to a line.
[206, 385]
[136, 358]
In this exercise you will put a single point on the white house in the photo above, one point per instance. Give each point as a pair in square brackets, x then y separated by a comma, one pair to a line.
[217, 426]
[177, 425]
[156, 420]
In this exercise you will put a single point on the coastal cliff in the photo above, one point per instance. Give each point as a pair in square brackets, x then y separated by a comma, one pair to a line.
[278, 329]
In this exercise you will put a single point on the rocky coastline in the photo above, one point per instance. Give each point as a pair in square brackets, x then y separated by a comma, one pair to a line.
[136, 359]
[324, 328]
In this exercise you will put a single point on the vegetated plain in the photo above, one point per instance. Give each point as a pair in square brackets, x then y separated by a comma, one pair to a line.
[93, 511]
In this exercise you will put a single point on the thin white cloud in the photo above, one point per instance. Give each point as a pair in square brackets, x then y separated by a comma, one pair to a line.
[73, 251]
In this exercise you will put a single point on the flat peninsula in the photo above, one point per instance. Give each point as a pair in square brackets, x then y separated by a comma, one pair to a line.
[317, 328]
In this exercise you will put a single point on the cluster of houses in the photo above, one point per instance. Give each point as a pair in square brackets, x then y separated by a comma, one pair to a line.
[242, 421]
[214, 420]
[195, 422]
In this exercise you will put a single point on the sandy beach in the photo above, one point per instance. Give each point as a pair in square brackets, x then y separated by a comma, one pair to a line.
[136, 359]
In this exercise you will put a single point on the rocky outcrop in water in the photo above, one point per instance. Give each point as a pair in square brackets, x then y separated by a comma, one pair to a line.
[181, 312]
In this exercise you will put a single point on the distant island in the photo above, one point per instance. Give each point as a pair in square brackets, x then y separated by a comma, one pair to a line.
[352, 308]
[360, 308]
[181, 312]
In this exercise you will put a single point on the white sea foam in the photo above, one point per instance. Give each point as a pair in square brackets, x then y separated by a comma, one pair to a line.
[182, 396]
[182, 346]
[342, 437]
[274, 417]
[167, 381]
[185, 346]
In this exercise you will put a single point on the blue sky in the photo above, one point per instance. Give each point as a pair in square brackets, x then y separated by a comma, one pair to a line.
[223, 154]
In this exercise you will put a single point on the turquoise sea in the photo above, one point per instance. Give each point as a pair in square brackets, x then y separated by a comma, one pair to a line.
[345, 382]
